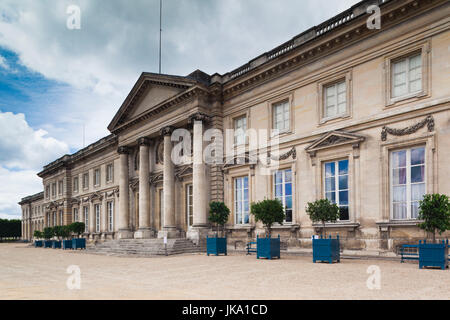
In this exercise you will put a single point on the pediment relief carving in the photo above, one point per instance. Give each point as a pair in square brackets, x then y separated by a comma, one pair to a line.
[334, 139]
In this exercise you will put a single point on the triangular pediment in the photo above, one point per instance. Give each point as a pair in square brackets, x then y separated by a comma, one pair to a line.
[334, 139]
[149, 92]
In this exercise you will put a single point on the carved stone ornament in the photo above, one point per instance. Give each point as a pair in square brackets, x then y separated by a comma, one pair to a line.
[429, 121]
[199, 116]
[292, 152]
[123, 150]
[166, 131]
[143, 141]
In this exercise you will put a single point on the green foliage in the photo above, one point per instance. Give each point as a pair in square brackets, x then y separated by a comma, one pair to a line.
[48, 233]
[77, 228]
[268, 212]
[434, 210]
[65, 232]
[57, 231]
[10, 228]
[218, 213]
[38, 234]
[322, 211]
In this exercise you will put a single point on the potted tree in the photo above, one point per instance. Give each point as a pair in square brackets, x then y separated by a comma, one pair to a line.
[78, 228]
[434, 210]
[218, 215]
[58, 234]
[37, 235]
[48, 234]
[324, 249]
[268, 212]
[65, 234]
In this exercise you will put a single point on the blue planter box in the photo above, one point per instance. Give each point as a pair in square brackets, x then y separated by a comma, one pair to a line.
[56, 244]
[268, 248]
[78, 243]
[48, 243]
[433, 254]
[216, 246]
[326, 249]
[67, 244]
[38, 243]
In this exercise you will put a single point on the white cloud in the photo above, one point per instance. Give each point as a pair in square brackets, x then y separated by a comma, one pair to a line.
[22, 147]
[3, 63]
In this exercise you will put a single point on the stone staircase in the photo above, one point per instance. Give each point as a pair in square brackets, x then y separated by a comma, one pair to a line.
[145, 247]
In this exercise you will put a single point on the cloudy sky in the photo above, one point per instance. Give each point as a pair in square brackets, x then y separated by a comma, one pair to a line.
[54, 80]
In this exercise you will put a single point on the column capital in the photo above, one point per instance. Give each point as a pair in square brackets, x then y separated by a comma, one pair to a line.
[123, 150]
[167, 131]
[199, 116]
[144, 141]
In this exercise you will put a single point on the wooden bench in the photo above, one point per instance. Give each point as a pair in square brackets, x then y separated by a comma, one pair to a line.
[250, 248]
[407, 252]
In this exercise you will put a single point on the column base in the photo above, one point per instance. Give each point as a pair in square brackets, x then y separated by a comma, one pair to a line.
[146, 233]
[125, 234]
[169, 232]
[197, 234]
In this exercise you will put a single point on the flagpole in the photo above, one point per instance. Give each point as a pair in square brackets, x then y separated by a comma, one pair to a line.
[160, 33]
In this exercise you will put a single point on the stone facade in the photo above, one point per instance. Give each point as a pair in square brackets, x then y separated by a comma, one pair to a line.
[343, 106]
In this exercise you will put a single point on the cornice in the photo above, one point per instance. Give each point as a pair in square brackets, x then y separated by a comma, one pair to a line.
[320, 45]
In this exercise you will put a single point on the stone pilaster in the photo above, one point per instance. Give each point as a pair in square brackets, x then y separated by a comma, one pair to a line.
[104, 218]
[124, 205]
[144, 231]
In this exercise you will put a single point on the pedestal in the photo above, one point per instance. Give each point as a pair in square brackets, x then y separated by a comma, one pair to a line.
[144, 233]
[198, 234]
[125, 234]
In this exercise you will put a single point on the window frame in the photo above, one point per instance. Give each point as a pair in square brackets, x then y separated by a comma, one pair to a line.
[283, 183]
[76, 184]
[110, 215]
[336, 185]
[345, 76]
[85, 180]
[408, 183]
[97, 216]
[287, 97]
[86, 218]
[97, 174]
[235, 201]
[245, 138]
[109, 177]
[189, 204]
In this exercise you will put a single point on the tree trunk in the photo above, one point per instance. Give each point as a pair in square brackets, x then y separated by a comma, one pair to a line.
[434, 236]
[324, 234]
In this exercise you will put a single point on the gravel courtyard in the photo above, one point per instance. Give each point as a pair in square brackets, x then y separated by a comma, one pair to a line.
[37, 273]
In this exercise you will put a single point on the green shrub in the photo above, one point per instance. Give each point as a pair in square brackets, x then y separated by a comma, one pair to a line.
[77, 228]
[38, 234]
[218, 214]
[322, 211]
[48, 233]
[268, 212]
[434, 210]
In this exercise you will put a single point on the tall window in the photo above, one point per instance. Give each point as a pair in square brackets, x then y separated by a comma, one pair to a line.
[161, 207]
[54, 189]
[282, 189]
[86, 180]
[47, 191]
[75, 184]
[54, 219]
[110, 207]
[97, 217]
[96, 177]
[407, 182]
[61, 218]
[241, 200]
[86, 219]
[281, 116]
[189, 205]
[337, 186]
[60, 187]
[75, 215]
[407, 75]
[240, 127]
[109, 173]
[335, 99]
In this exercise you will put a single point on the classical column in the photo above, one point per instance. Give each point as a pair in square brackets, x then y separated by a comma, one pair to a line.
[144, 190]
[200, 227]
[104, 217]
[124, 221]
[169, 229]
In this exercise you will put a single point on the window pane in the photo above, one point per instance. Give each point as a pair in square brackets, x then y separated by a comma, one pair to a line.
[329, 169]
[417, 191]
[417, 156]
[245, 182]
[343, 213]
[399, 159]
[343, 167]
[288, 175]
[289, 202]
[399, 194]
[414, 210]
[417, 174]
[343, 197]
[278, 190]
[399, 176]
[278, 177]
[288, 189]
[399, 210]
[288, 214]
[329, 184]
[331, 196]
[343, 182]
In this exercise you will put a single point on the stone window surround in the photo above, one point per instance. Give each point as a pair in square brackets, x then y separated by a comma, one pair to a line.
[423, 47]
[232, 174]
[60, 187]
[347, 76]
[429, 141]
[85, 181]
[288, 164]
[76, 190]
[236, 116]
[96, 185]
[352, 153]
[289, 97]
[111, 180]
[185, 183]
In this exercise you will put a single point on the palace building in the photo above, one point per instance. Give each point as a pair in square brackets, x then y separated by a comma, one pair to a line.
[363, 116]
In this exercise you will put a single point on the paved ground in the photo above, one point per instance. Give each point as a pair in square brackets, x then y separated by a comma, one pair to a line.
[36, 273]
